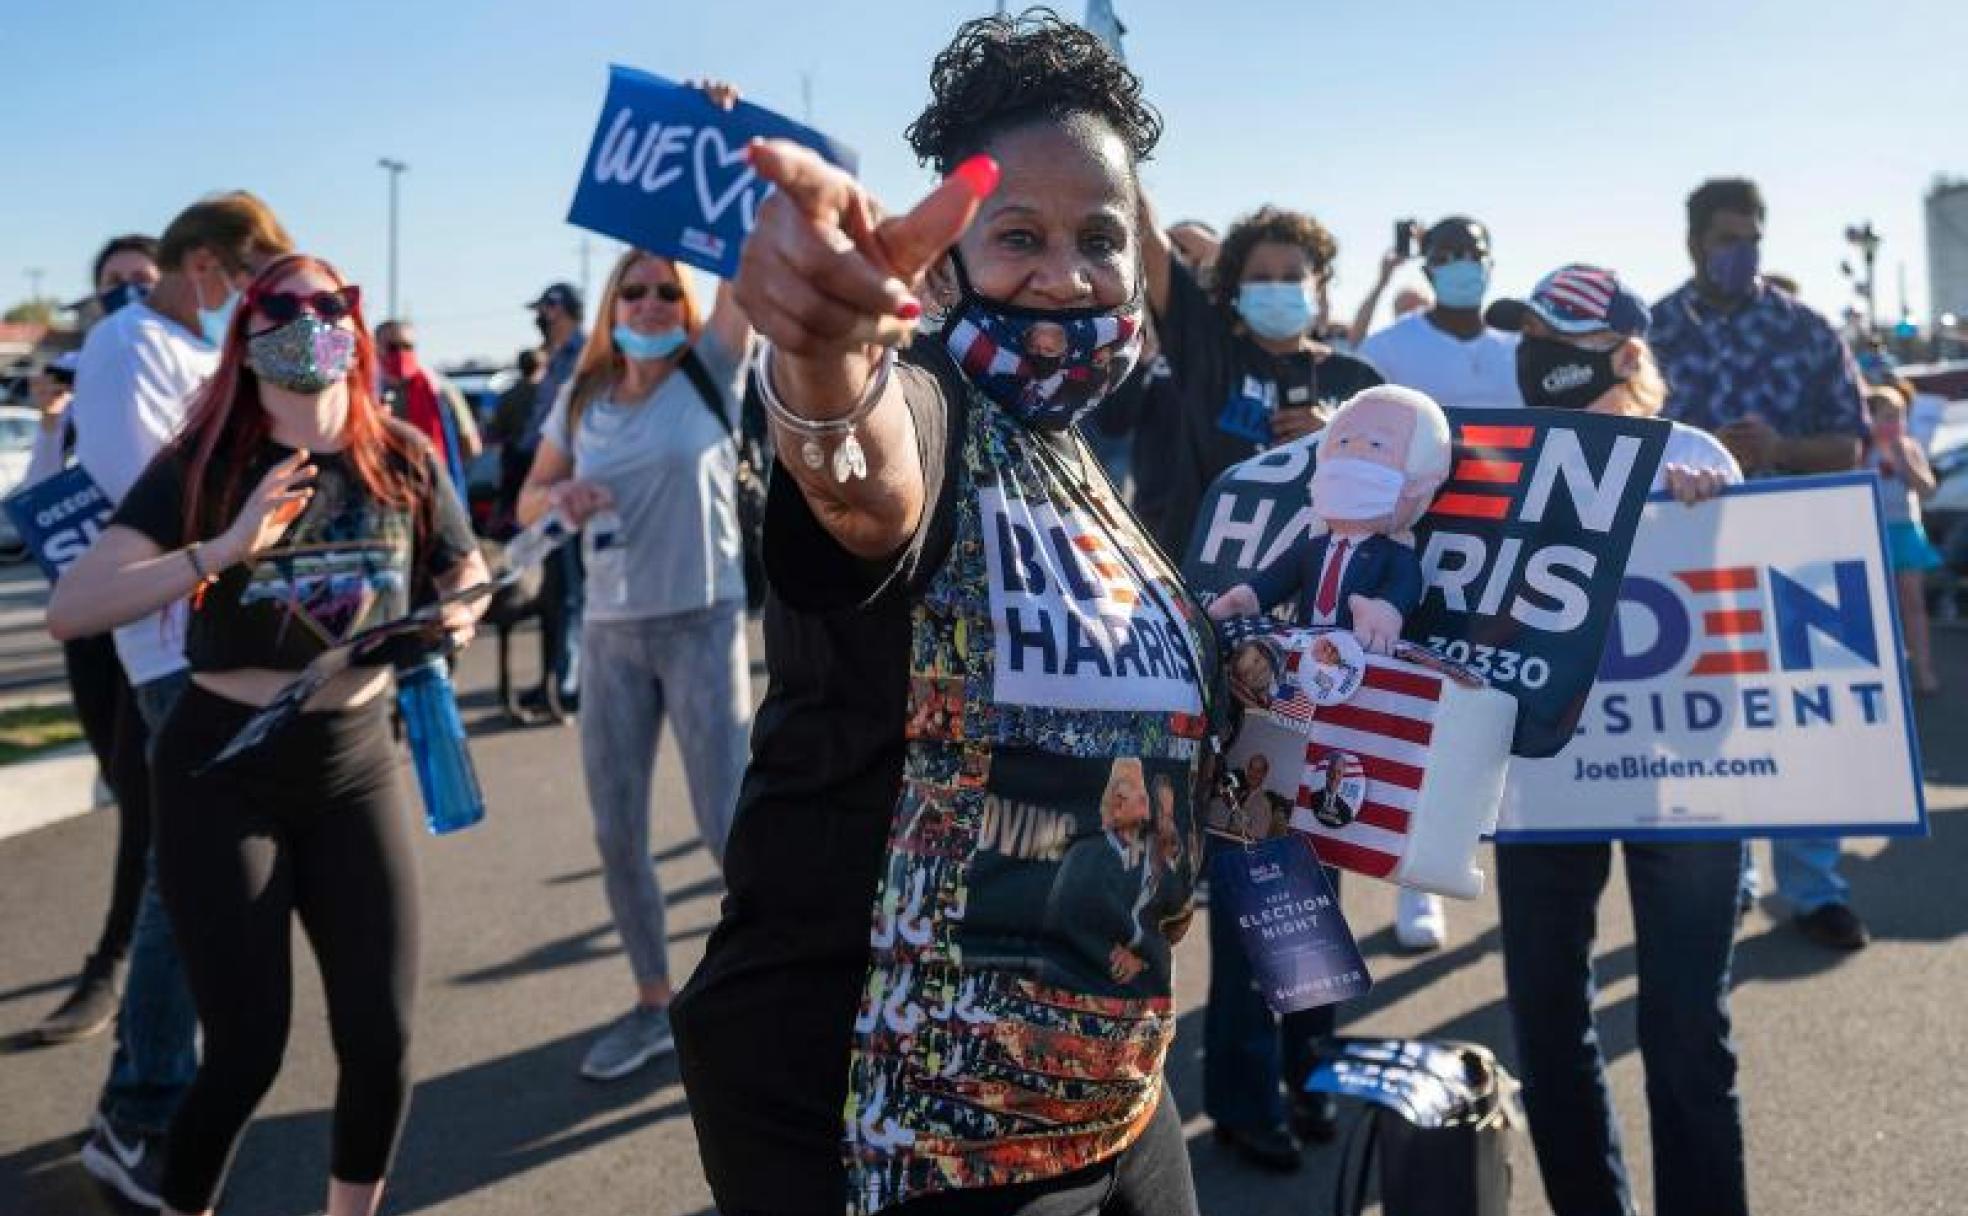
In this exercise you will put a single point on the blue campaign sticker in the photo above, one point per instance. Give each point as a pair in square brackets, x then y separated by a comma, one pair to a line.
[1428, 1084]
[59, 518]
[1300, 947]
[1247, 415]
[667, 173]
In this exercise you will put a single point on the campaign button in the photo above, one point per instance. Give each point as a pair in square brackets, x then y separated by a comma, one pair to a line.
[1339, 801]
[1331, 667]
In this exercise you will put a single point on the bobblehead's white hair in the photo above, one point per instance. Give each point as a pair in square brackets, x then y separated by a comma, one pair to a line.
[1431, 450]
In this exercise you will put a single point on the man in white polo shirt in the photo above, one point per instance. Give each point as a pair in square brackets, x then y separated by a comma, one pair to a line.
[1448, 352]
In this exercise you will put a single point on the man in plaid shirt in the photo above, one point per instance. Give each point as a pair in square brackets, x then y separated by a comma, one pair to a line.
[1775, 383]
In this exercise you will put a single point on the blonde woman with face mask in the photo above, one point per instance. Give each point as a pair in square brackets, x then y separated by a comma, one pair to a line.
[637, 453]
[1584, 347]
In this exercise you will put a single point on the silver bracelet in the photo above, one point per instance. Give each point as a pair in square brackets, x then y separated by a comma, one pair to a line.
[850, 461]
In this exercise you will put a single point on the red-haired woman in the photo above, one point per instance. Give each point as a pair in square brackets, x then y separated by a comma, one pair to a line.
[291, 512]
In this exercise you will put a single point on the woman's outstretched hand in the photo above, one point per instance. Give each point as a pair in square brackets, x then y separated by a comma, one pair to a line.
[830, 282]
[824, 275]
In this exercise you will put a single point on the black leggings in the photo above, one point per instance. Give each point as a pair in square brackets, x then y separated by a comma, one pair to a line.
[107, 709]
[312, 822]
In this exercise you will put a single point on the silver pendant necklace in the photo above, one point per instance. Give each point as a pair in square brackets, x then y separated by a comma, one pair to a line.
[850, 462]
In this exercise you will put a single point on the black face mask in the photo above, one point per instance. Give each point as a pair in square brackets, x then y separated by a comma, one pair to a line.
[1560, 376]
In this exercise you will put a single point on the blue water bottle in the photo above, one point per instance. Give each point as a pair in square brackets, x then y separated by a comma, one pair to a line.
[452, 799]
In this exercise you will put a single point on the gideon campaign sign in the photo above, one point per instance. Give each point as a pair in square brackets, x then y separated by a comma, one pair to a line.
[1751, 683]
[1523, 550]
[59, 518]
[667, 173]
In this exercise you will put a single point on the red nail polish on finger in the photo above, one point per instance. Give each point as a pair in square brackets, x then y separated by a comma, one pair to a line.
[908, 310]
[980, 173]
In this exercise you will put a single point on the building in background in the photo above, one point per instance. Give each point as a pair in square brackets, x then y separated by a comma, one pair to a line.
[1947, 252]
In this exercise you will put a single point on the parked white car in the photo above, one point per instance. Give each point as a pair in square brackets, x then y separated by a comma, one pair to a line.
[17, 428]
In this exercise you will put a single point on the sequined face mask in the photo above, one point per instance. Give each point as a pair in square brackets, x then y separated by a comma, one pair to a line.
[306, 355]
[1046, 367]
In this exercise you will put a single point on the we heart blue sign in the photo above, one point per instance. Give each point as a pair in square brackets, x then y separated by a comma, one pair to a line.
[667, 170]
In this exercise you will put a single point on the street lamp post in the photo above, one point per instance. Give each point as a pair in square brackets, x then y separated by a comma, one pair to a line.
[1863, 238]
[395, 170]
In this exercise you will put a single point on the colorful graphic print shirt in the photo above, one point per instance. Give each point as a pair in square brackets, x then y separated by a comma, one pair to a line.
[965, 842]
[347, 561]
[1770, 356]
[1017, 1007]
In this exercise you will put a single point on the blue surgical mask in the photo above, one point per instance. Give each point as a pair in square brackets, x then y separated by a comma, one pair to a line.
[213, 322]
[1732, 269]
[1461, 284]
[1276, 310]
[637, 345]
[122, 296]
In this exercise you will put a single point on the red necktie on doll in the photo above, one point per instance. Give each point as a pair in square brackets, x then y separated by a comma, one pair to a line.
[1328, 599]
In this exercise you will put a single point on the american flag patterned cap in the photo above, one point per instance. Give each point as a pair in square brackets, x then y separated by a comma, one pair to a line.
[1577, 299]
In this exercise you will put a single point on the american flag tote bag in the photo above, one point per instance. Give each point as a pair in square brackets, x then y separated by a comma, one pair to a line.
[1395, 771]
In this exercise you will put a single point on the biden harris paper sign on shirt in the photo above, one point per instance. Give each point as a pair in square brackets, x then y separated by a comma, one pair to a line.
[1522, 551]
[1751, 682]
[667, 171]
[1077, 625]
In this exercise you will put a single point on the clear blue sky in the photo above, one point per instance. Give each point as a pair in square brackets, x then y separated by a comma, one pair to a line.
[1575, 130]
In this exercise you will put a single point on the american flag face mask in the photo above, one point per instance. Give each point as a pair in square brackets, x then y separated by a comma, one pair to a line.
[1047, 367]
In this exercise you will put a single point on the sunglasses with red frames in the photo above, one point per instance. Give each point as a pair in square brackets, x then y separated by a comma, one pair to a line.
[281, 307]
[668, 293]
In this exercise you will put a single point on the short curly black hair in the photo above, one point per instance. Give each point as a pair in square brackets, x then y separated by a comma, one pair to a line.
[1000, 73]
[1271, 224]
[1736, 194]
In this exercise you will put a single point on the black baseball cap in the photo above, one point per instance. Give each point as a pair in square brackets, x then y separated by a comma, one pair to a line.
[1458, 231]
[562, 294]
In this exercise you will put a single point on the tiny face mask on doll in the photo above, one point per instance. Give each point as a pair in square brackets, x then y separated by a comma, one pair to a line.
[1350, 489]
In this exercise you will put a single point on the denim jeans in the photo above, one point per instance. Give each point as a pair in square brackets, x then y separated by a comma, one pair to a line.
[694, 668]
[1684, 919]
[1807, 871]
[157, 1027]
[1251, 1056]
[560, 624]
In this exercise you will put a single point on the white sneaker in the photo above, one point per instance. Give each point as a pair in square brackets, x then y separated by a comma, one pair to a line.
[1419, 923]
